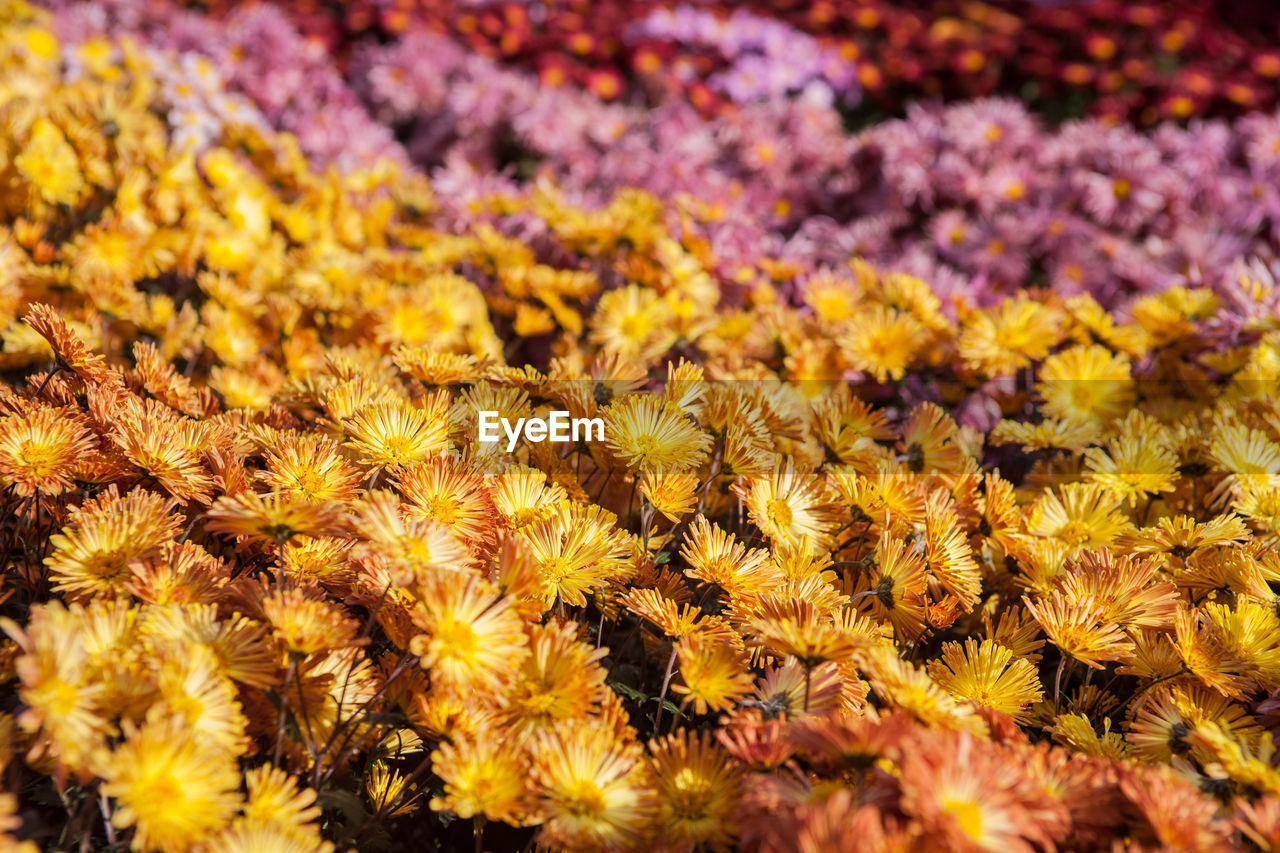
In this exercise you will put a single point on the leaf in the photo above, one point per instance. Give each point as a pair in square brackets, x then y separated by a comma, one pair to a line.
[629, 692]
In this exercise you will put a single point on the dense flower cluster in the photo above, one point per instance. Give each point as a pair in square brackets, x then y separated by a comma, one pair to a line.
[1146, 61]
[261, 56]
[979, 198]
[859, 563]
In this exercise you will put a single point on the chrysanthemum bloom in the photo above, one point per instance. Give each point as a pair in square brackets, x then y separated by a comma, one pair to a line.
[792, 505]
[909, 689]
[672, 494]
[50, 164]
[969, 797]
[193, 691]
[390, 792]
[164, 447]
[1165, 718]
[796, 627]
[883, 342]
[473, 642]
[306, 625]
[988, 675]
[242, 647]
[1248, 455]
[396, 434]
[575, 550]
[795, 691]
[71, 352]
[947, 554]
[649, 435]
[895, 590]
[1178, 815]
[713, 673]
[334, 691]
[1049, 433]
[635, 322]
[274, 799]
[1001, 341]
[91, 555]
[1077, 628]
[1086, 384]
[310, 467]
[1175, 539]
[454, 494]
[714, 556]
[559, 680]
[1129, 591]
[173, 790]
[697, 786]
[591, 789]
[275, 517]
[1079, 515]
[63, 700]
[249, 837]
[413, 548]
[524, 495]
[486, 775]
[1132, 466]
[38, 451]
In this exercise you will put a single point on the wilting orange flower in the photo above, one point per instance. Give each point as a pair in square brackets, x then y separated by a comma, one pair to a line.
[71, 352]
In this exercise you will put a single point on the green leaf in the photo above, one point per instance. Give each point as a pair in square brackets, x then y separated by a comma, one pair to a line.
[628, 692]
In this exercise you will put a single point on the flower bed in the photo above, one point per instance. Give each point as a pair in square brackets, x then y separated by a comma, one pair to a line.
[868, 553]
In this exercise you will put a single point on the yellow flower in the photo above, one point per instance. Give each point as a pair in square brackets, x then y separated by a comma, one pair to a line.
[174, 790]
[697, 786]
[1086, 384]
[1079, 515]
[484, 775]
[91, 555]
[645, 432]
[883, 342]
[390, 792]
[50, 164]
[713, 673]
[999, 341]
[396, 434]
[792, 505]
[591, 789]
[310, 467]
[38, 450]
[473, 641]
[987, 674]
[63, 700]
[576, 550]
[1132, 466]
[276, 517]
[673, 494]
[306, 625]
